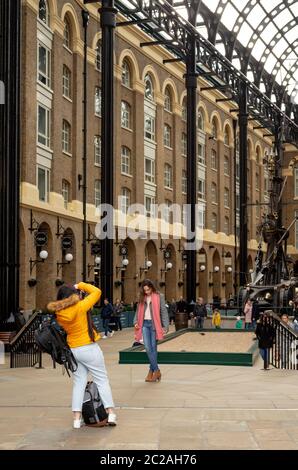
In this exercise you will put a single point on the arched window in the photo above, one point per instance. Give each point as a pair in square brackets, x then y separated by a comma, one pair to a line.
[65, 192]
[167, 136]
[168, 176]
[226, 136]
[168, 100]
[126, 74]
[125, 115]
[66, 83]
[67, 34]
[125, 160]
[184, 110]
[149, 89]
[201, 123]
[98, 56]
[43, 12]
[66, 136]
[214, 129]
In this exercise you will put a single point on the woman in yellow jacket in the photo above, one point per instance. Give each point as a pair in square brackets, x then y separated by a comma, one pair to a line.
[216, 319]
[74, 316]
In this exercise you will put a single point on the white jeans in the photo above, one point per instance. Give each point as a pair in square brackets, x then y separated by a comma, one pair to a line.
[90, 359]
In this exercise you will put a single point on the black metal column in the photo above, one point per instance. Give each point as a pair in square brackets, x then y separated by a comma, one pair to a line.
[243, 119]
[191, 83]
[85, 17]
[108, 24]
[235, 204]
[10, 33]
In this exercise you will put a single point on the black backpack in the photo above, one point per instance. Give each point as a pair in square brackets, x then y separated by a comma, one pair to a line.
[51, 338]
[93, 411]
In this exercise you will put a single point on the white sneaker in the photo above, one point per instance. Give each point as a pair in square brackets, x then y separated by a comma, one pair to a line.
[112, 419]
[111, 334]
[76, 423]
[104, 337]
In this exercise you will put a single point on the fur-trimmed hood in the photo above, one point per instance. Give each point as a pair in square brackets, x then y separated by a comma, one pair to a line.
[62, 304]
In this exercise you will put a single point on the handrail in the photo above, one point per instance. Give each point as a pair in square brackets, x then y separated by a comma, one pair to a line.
[24, 352]
[284, 353]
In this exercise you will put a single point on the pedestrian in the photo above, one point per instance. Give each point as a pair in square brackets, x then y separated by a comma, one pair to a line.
[152, 322]
[239, 323]
[74, 316]
[248, 314]
[216, 319]
[265, 334]
[172, 311]
[200, 313]
[117, 310]
[106, 314]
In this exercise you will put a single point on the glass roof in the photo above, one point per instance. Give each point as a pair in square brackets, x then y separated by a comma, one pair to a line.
[268, 28]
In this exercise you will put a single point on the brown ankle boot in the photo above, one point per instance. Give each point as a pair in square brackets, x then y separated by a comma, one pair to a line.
[156, 377]
[149, 376]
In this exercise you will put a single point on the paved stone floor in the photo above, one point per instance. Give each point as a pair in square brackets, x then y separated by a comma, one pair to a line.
[193, 407]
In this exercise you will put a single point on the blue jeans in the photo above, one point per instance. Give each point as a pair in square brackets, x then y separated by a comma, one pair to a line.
[265, 356]
[150, 344]
[105, 324]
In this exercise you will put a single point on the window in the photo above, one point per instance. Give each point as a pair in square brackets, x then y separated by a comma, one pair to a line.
[149, 206]
[125, 200]
[296, 182]
[97, 101]
[167, 136]
[227, 226]
[201, 218]
[65, 192]
[43, 12]
[184, 110]
[184, 182]
[66, 137]
[201, 154]
[97, 193]
[43, 183]
[66, 84]
[214, 222]
[226, 136]
[43, 125]
[44, 65]
[226, 166]
[168, 214]
[98, 56]
[125, 160]
[213, 160]
[257, 181]
[168, 100]
[149, 170]
[149, 127]
[201, 189]
[125, 115]
[149, 90]
[67, 34]
[126, 75]
[201, 123]
[184, 144]
[168, 176]
[214, 193]
[214, 129]
[226, 197]
[97, 150]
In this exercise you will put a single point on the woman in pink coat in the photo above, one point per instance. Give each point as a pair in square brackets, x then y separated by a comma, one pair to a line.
[248, 314]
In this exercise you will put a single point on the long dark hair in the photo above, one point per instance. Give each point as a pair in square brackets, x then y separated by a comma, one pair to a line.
[67, 291]
[147, 283]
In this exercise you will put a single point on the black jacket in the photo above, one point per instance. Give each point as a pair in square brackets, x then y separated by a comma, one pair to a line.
[182, 306]
[200, 311]
[107, 311]
[265, 334]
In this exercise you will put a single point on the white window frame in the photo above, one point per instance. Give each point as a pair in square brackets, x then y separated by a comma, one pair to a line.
[126, 74]
[214, 193]
[47, 175]
[184, 182]
[149, 92]
[97, 150]
[44, 139]
[47, 19]
[97, 193]
[226, 198]
[125, 115]
[168, 176]
[168, 101]
[125, 160]
[66, 136]
[150, 176]
[214, 218]
[125, 200]
[184, 144]
[44, 77]
[226, 166]
[149, 131]
[150, 212]
[65, 192]
[66, 82]
[97, 101]
[201, 156]
[202, 190]
[212, 160]
[227, 225]
[67, 37]
[167, 136]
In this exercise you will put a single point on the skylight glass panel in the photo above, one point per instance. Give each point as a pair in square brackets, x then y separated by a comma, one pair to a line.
[240, 4]
[292, 35]
[256, 15]
[211, 4]
[245, 34]
[283, 18]
[269, 33]
[258, 50]
[128, 4]
[229, 16]
[280, 47]
[294, 9]
[270, 63]
[269, 5]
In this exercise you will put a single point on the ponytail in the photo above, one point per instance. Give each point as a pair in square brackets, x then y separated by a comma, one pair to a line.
[91, 327]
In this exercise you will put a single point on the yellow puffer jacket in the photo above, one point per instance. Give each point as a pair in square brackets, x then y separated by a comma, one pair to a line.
[71, 314]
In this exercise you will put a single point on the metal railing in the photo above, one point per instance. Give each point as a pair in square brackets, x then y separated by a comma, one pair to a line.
[24, 352]
[284, 354]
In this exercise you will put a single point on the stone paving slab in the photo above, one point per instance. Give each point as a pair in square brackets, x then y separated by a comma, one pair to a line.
[193, 407]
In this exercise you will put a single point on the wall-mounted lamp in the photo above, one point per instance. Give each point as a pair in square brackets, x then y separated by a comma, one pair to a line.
[68, 259]
[33, 262]
[97, 261]
[229, 269]
[125, 263]
[167, 268]
[216, 269]
[146, 268]
[202, 268]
